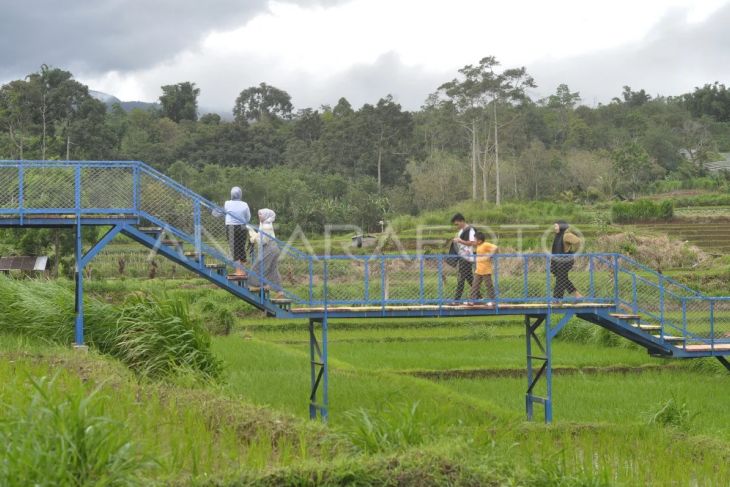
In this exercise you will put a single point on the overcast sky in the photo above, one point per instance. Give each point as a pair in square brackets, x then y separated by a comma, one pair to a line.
[319, 50]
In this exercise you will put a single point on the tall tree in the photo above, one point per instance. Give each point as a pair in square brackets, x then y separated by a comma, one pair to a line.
[390, 129]
[16, 107]
[55, 102]
[262, 102]
[180, 101]
[480, 87]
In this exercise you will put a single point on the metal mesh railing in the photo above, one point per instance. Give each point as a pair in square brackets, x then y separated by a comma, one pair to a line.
[435, 280]
[166, 205]
[61, 187]
[9, 188]
[107, 187]
[49, 187]
[195, 224]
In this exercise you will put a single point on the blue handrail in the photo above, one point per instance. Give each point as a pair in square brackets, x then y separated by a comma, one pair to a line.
[512, 272]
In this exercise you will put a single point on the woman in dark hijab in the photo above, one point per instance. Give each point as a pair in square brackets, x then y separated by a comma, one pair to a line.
[565, 245]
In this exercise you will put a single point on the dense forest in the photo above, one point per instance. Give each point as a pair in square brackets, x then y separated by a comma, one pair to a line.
[479, 136]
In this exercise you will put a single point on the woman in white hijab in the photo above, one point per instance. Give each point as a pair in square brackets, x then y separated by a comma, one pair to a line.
[267, 257]
[237, 216]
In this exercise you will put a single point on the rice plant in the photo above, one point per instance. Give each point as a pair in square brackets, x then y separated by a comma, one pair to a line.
[155, 336]
[60, 436]
[395, 427]
[674, 413]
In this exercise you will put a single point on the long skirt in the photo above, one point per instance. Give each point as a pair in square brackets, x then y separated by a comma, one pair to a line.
[268, 265]
[237, 241]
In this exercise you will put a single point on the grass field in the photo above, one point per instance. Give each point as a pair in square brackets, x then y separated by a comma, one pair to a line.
[611, 393]
[427, 402]
[412, 401]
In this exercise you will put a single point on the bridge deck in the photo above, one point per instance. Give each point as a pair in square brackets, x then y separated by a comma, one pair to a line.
[717, 347]
[65, 220]
[451, 307]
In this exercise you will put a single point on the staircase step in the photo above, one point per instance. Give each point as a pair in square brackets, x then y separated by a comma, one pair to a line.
[670, 338]
[174, 243]
[215, 266]
[627, 317]
[281, 301]
[150, 229]
[648, 327]
[236, 277]
[191, 254]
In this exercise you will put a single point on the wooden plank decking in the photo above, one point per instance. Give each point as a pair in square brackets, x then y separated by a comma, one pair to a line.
[448, 307]
[719, 347]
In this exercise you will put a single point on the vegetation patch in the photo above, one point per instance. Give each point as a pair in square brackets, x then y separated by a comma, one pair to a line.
[154, 336]
[448, 374]
[658, 251]
[642, 211]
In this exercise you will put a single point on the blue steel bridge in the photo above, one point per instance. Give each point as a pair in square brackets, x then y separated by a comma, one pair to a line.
[665, 317]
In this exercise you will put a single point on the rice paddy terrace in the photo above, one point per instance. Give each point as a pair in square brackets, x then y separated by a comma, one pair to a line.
[712, 236]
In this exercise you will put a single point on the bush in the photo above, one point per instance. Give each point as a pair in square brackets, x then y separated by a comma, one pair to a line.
[479, 212]
[710, 199]
[642, 211]
[394, 428]
[657, 251]
[53, 435]
[673, 413]
[153, 336]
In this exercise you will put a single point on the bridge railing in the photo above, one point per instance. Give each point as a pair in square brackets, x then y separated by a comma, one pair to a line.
[61, 187]
[704, 320]
[399, 279]
[133, 189]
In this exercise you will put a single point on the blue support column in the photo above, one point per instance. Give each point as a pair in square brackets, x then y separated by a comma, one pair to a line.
[528, 348]
[198, 230]
[324, 410]
[616, 281]
[135, 189]
[548, 369]
[532, 323]
[544, 355]
[82, 259]
[319, 370]
[79, 335]
[79, 288]
[21, 193]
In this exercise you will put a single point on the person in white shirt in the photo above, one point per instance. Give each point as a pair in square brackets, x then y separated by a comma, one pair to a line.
[238, 215]
[466, 242]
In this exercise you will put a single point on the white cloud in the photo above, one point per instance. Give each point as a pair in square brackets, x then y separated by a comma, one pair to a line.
[364, 49]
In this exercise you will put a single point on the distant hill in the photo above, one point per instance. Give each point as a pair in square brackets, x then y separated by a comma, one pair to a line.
[111, 100]
[127, 106]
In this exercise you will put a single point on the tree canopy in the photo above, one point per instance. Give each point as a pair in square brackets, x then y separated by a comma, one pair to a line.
[480, 135]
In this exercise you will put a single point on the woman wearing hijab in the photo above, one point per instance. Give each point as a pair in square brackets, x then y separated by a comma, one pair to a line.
[238, 215]
[565, 245]
[267, 260]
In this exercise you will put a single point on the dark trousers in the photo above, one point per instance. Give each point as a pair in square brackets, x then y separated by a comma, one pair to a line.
[238, 241]
[476, 291]
[562, 281]
[464, 274]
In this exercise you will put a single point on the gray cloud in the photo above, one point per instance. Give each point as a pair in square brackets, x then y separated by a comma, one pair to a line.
[135, 37]
[367, 83]
[672, 59]
[222, 79]
[104, 35]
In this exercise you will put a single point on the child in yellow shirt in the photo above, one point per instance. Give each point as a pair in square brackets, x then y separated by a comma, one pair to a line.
[483, 272]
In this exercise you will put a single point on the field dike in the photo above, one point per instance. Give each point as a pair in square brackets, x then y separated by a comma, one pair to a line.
[448, 374]
[132, 432]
